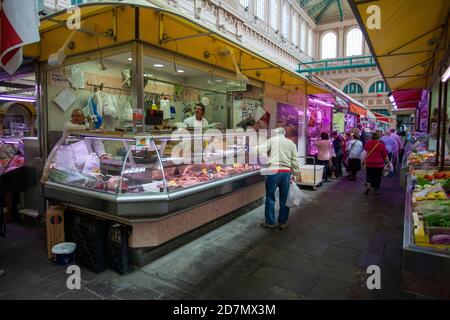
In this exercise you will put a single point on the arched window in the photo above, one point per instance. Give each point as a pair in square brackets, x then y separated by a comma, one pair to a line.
[261, 9]
[244, 3]
[353, 88]
[328, 45]
[275, 14]
[310, 43]
[285, 21]
[303, 37]
[295, 29]
[354, 43]
[378, 87]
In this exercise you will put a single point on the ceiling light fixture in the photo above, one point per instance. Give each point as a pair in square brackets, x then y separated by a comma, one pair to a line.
[18, 99]
[180, 71]
[130, 59]
[158, 65]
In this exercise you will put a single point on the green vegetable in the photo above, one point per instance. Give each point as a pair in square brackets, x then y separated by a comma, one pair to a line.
[438, 220]
[421, 181]
[446, 185]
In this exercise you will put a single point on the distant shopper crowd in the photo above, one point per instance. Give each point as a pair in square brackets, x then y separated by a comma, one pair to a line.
[345, 154]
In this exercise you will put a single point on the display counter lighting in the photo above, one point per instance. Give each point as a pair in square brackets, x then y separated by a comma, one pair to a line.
[446, 75]
[18, 99]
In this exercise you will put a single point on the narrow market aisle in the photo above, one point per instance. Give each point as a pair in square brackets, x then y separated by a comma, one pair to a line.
[322, 254]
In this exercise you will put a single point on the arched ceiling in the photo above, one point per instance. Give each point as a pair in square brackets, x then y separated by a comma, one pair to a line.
[322, 11]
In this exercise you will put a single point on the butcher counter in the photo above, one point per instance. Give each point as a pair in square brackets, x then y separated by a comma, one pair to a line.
[152, 183]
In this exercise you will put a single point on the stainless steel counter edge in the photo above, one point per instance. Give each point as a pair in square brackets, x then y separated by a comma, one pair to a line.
[120, 198]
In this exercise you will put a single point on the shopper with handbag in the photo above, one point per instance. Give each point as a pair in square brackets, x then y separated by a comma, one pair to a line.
[324, 148]
[375, 159]
[354, 151]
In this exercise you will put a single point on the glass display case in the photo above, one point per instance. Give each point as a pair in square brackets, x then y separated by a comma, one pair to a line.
[426, 248]
[11, 154]
[142, 175]
[419, 150]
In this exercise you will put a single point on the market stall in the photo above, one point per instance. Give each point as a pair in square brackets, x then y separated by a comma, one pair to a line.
[12, 172]
[351, 120]
[138, 93]
[320, 116]
[19, 143]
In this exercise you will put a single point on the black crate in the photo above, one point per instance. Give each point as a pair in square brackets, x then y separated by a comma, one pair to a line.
[88, 234]
[117, 251]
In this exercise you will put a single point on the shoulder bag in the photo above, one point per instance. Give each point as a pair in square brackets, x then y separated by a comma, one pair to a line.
[363, 160]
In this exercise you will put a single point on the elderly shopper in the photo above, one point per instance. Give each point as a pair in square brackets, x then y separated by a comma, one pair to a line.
[376, 157]
[354, 151]
[282, 163]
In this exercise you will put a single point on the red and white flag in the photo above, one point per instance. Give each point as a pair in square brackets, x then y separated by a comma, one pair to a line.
[19, 26]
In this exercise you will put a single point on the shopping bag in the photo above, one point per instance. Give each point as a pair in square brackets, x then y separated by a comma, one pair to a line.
[388, 169]
[295, 196]
[109, 108]
[127, 114]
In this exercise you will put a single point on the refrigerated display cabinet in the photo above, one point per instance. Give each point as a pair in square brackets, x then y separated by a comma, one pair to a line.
[11, 154]
[138, 175]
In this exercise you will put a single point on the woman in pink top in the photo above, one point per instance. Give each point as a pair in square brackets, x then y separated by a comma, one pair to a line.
[324, 154]
[376, 157]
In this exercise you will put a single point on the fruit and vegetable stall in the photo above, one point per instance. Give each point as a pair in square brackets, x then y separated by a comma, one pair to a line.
[426, 241]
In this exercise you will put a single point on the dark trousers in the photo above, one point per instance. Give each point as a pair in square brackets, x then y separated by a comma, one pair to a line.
[279, 180]
[324, 163]
[337, 164]
[373, 176]
[354, 166]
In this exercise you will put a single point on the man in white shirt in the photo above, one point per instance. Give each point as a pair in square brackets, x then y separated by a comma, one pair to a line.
[198, 120]
[77, 121]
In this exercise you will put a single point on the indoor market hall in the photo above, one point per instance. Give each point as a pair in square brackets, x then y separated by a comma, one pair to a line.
[195, 153]
[323, 253]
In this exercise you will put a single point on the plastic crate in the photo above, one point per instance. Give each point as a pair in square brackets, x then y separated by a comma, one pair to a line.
[88, 234]
[117, 252]
[307, 173]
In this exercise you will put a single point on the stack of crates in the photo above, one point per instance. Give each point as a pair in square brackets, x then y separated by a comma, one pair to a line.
[117, 249]
[88, 234]
[100, 244]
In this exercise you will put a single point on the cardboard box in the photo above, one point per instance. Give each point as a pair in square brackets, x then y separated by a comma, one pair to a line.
[55, 227]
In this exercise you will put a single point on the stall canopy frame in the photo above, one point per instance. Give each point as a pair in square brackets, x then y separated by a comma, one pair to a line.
[412, 40]
[114, 23]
